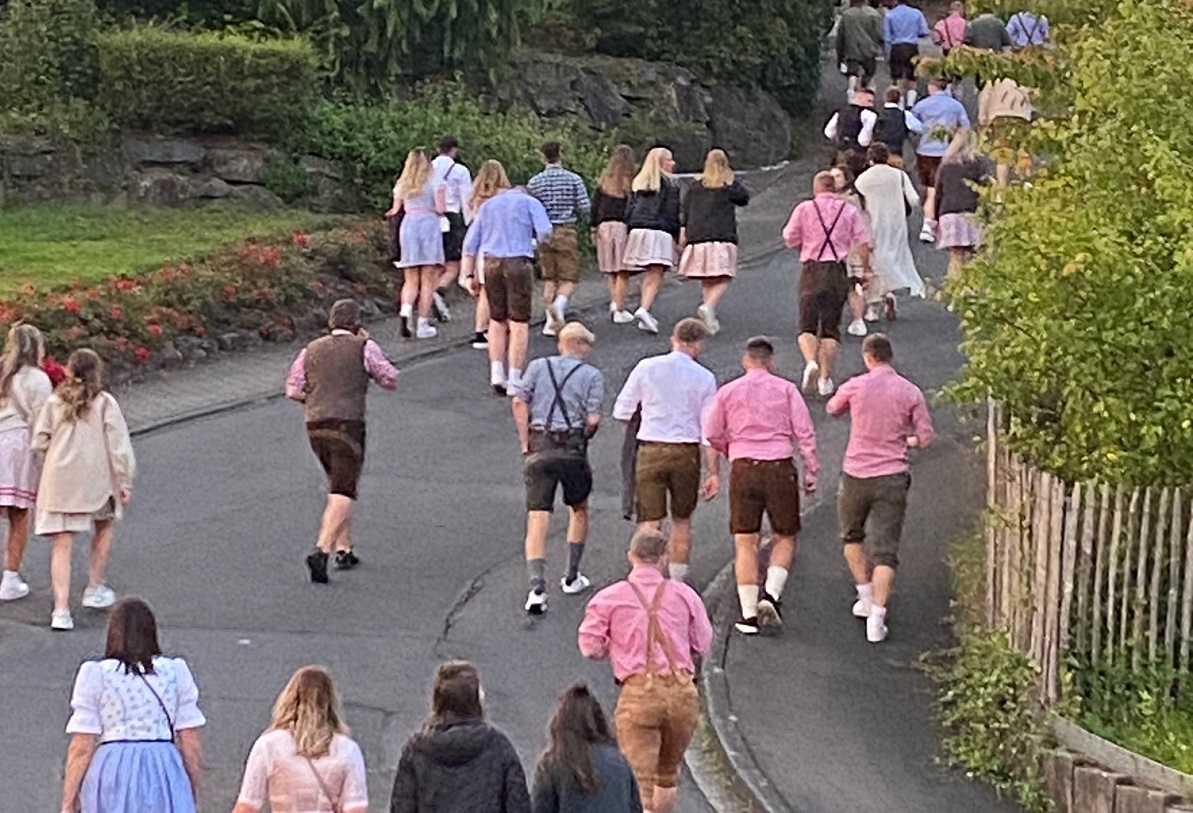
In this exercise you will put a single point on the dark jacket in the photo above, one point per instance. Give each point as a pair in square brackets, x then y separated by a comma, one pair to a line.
[556, 792]
[955, 186]
[658, 211]
[710, 215]
[459, 766]
[606, 208]
[891, 129]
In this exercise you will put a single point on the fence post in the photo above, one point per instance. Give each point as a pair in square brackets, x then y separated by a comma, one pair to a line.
[993, 509]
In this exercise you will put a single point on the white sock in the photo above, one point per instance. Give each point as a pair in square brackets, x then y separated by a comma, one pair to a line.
[561, 305]
[865, 592]
[406, 310]
[423, 321]
[877, 614]
[747, 594]
[515, 375]
[776, 580]
[911, 98]
[496, 371]
[677, 571]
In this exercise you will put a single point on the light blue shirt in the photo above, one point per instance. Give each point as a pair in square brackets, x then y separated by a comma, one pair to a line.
[903, 25]
[939, 110]
[1027, 29]
[583, 393]
[507, 225]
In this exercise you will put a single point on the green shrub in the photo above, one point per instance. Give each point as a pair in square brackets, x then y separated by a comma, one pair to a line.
[167, 81]
[47, 53]
[286, 179]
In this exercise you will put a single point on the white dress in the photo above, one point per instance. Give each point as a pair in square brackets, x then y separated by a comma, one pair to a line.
[887, 190]
[290, 783]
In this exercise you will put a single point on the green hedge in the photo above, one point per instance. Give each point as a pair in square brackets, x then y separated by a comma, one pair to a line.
[174, 82]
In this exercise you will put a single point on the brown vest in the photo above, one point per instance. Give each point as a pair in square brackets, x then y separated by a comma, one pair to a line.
[337, 381]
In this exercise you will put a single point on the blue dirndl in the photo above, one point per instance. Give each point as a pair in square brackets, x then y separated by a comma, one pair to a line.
[137, 777]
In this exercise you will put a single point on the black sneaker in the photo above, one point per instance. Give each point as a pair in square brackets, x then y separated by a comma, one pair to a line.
[770, 611]
[317, 564]
[747, 626]
[500, 389]
[480, 341]
[346, 560]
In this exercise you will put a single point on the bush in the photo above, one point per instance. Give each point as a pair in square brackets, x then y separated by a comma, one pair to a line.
[286, 179]
[166, 81]
[47, 53]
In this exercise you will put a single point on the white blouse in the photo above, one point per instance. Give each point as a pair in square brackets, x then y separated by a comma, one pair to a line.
[116, 705]
[275, 773]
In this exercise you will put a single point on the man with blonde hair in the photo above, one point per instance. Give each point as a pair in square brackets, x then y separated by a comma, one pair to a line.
[557, 410]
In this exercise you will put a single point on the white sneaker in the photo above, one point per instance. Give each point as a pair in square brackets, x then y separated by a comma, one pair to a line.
[575, 586]
[549, 329]
[426, 330]
[61, 620]
[876, 630]
[826, 387]
[857, 327]
[646, 321]
[12, 586]
[99, 598]
[873, 313]
[861, 609]
[536, 603]
[709, 317]
[439, 304]
[811, 371]
[621, 317]
[927, 234]
[555, 319]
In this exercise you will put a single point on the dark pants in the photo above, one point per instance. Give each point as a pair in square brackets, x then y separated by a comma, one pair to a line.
[876, 504]
[340, 447]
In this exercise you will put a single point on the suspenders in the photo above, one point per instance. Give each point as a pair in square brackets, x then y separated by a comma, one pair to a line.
[828, 232]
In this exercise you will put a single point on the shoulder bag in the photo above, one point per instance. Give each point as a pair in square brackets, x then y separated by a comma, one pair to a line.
[335, 805]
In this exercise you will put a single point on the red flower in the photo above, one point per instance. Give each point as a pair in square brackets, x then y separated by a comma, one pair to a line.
[122, 283]
[300, 239]
[141, 353]
[228, 292]
[54, 370]
[115, 312]
[271, 257]
[71, 305]
[155, 331]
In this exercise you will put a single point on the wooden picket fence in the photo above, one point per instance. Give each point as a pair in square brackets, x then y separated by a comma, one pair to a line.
[1090, 570]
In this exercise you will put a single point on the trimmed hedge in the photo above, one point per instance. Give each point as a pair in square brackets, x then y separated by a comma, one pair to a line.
[207, 83]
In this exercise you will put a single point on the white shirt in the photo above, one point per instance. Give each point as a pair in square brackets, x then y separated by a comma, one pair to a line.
[28, 393]
[674, 392]
[116, 705]
[276, 774]
[456, 181]
[869, 119]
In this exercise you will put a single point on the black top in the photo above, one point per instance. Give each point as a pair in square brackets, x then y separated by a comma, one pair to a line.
[606, 208]
[556, 792]
[849, 126]
[459, 766]
[954, 193]
[710, 215]
[891, 129]
[656, 210]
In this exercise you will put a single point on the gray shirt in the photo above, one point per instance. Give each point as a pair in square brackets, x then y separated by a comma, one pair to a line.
[583, 393]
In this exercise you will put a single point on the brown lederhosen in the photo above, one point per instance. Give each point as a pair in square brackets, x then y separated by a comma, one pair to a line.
[824, 286]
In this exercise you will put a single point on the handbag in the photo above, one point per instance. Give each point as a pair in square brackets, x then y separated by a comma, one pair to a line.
[335, 805]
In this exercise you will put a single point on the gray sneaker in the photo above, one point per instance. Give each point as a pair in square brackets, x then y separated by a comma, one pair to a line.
[99, 598]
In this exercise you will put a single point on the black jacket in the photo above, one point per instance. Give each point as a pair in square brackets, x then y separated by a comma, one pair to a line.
[891, 129]
[656, 210]
[606, 208]
[710, 215]
[459, 766]
[556, 792]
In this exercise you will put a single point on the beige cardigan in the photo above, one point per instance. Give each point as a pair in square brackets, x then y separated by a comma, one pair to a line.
[30, 390]
[86, 462]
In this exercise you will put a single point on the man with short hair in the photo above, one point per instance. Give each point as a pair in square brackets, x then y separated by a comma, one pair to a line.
[902, 29]
[888, 416]
[330, 378]
[504, 229]
[457, 187]
[1027, 29]
[859, 42]
[566, 199]
[557, 410]
[941, 118]
[824, 229]
[653, 630]
[674, 392]
[949, 32]
[851, 129]
[893, 125]
[755, 421]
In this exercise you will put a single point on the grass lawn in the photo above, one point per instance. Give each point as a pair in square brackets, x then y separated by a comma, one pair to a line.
[52, 245]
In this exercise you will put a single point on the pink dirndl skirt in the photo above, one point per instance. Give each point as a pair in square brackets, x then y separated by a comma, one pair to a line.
[19, 472]
[958, 231]
[611, 238]
[709, 260]
[646, 247]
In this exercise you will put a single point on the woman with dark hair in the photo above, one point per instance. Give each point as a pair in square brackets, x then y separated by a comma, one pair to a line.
[134, 732]
[458, 763]
[582, 771]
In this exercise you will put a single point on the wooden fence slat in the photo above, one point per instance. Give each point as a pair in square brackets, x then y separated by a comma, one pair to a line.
[1069, 568]
[1174, 578]
[1085, 566]
[1187, 600]
[1116, 532]
[1101, 548]
[1015, 572]
[1010, 538]
[1139, 605]
[993, 504]
[1042, 505]
[1052, 601]
[1153, 602]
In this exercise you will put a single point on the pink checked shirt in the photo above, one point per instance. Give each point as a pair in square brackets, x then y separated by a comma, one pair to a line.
[615, 625]
[886, 409]
[377, 365]
[812, 221]
[760, 416]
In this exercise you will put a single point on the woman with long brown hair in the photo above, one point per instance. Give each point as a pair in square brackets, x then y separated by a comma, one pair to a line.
[24, 390]
[581, 771]
[610, 211]
[86, 479]
[490, 180]
[422, 201]
[654, 228]
[305, 762]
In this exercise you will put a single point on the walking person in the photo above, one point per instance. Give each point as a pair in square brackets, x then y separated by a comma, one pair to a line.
[652, 630]
[610, 213]
[1026, 30]
[888, 416]
[565, 198]
[941, 118]
[24, 390]
[421, 201]
[856, 300]
[557, 411]
[756, 421]
[889, 195]
[490, 179]
[851, 129]
[987, 32]
[305, 761]
[87, 468]
[902, 29]
[674, 392]
[708, 216]
[893, 126]
[958, 179]
[824, 229]
[859, 42]
[503, 232]
[330, 378]
[581, 770]
[456, 181]
[134, 726]
[949, 32]
[457, 762]
[654, 229]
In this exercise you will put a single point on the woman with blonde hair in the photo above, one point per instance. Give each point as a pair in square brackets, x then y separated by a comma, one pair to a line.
[610, 207]
[305, 762]
[709, 234]
[654, 228]
[957, 200]
[490, 180]
[86, 479]
[422, 201]
[24, 390]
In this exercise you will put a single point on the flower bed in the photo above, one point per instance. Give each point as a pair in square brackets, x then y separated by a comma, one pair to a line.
[260, 290]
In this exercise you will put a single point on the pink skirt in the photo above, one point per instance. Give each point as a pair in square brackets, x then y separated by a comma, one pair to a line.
[19, 472]
[709, 261]
[610, 246]
[958, 231]
[647, 247]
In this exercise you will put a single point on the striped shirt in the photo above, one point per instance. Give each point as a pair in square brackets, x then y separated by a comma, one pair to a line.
[562, 192]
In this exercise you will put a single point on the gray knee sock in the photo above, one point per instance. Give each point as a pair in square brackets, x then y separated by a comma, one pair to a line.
[575, 554]
[537, 568]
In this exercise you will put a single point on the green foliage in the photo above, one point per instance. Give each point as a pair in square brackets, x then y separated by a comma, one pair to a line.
[286, 179]
[1073, 316]
[170, 81]
[210, 14]
[47, 53]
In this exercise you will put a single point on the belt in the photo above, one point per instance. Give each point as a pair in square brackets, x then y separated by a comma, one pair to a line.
[668, 443]
[751, 461]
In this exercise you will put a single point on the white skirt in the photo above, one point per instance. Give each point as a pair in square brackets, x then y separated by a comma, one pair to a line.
[646, 247]
[19, 472]
[48, 523]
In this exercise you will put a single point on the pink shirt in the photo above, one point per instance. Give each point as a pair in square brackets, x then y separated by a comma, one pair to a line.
[950, 32]
[886, 409]
[825, 229]
[760, 416]
[615, 625]
[376, 364]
